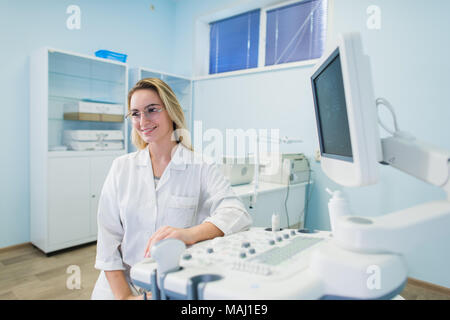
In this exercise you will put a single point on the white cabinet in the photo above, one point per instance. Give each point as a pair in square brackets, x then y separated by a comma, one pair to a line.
[74, 187]
[181, 86]
[68, 200]
[65, 184]
[99, 168]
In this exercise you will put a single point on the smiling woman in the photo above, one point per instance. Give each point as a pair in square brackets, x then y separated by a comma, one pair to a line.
[162, 191]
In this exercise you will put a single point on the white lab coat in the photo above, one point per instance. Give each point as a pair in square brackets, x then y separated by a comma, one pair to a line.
[190, 191]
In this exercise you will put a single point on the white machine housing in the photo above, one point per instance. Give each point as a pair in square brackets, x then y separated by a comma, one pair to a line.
[396, 232]
[238, 170]
[361, 168]
[399, 232]
[285, 168]
[261, 264]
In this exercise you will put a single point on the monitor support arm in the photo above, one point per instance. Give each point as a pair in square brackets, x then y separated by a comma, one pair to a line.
[419, 159]
[398, 232]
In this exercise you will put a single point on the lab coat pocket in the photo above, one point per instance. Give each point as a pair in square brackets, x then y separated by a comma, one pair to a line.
[181, 211]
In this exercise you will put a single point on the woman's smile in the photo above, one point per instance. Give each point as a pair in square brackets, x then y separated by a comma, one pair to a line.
[148, 131]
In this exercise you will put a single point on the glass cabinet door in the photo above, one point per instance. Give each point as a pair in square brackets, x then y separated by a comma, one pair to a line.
[73, 80]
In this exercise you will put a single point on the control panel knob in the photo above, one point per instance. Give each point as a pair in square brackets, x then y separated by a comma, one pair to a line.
[187, 256]
[245, 244]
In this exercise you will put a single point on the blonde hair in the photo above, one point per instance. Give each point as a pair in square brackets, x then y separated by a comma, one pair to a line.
[172, 106]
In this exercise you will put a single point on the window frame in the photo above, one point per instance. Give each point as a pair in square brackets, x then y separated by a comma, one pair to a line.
[202, 34]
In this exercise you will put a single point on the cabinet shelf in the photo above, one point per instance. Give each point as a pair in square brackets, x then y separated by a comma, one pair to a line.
[86, 78]
[76, 99]
[89, 121]
[80, 122]
[89, 153]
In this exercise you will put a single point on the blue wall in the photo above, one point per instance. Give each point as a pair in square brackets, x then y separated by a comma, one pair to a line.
[409, 57]
[26, 25]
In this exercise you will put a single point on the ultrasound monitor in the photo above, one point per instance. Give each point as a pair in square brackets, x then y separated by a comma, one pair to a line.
[346, 115]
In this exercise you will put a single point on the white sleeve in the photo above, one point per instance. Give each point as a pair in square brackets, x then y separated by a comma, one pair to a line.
[227, 212]
[110, 230]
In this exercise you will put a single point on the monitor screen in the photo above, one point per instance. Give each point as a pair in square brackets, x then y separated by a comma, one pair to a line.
[331, 110]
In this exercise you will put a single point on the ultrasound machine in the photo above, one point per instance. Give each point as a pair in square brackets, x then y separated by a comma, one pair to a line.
[363, 258]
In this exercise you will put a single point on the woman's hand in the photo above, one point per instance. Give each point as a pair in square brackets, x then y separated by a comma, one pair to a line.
[189, 236]
[185, 235]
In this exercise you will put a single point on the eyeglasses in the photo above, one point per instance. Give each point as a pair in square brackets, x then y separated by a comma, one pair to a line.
[150, 113]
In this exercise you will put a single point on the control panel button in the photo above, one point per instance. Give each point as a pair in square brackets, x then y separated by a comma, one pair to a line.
[245, 244]
[187, 256]
[209, 250]
[252, 250]
[242, 255]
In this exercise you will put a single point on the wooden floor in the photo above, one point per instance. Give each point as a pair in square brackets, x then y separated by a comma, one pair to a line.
[27, 273]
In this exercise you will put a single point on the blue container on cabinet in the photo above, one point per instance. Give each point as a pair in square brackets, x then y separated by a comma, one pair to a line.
[111, 55]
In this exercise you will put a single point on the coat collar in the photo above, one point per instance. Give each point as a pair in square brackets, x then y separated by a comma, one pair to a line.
[180, 158]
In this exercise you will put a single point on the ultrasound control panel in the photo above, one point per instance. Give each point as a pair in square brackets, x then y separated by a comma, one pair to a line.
[250, 259]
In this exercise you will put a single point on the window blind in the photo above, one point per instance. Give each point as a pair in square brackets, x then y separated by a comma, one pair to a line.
[234, 43]
[296, 32]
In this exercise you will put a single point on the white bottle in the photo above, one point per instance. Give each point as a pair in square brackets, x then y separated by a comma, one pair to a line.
[275, 222]
[338, 206]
